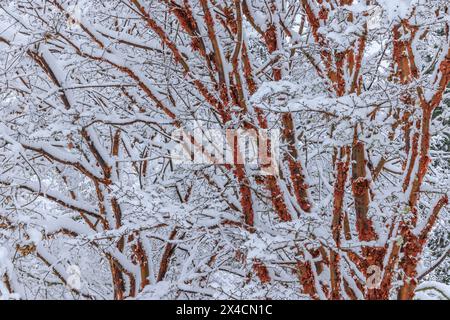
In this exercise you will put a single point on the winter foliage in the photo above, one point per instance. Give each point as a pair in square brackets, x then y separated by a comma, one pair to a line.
[94, 206]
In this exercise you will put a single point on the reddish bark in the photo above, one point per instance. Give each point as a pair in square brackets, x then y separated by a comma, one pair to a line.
[306, 278]
[360, 188]
[261, 271]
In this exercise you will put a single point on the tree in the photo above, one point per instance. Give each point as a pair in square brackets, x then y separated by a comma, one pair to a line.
[95, 94]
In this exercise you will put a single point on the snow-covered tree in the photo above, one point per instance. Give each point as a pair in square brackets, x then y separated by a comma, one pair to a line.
[96, 95]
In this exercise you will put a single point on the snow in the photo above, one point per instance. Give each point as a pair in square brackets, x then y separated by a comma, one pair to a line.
[89, 115]
[397, 9]
[432, 290]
